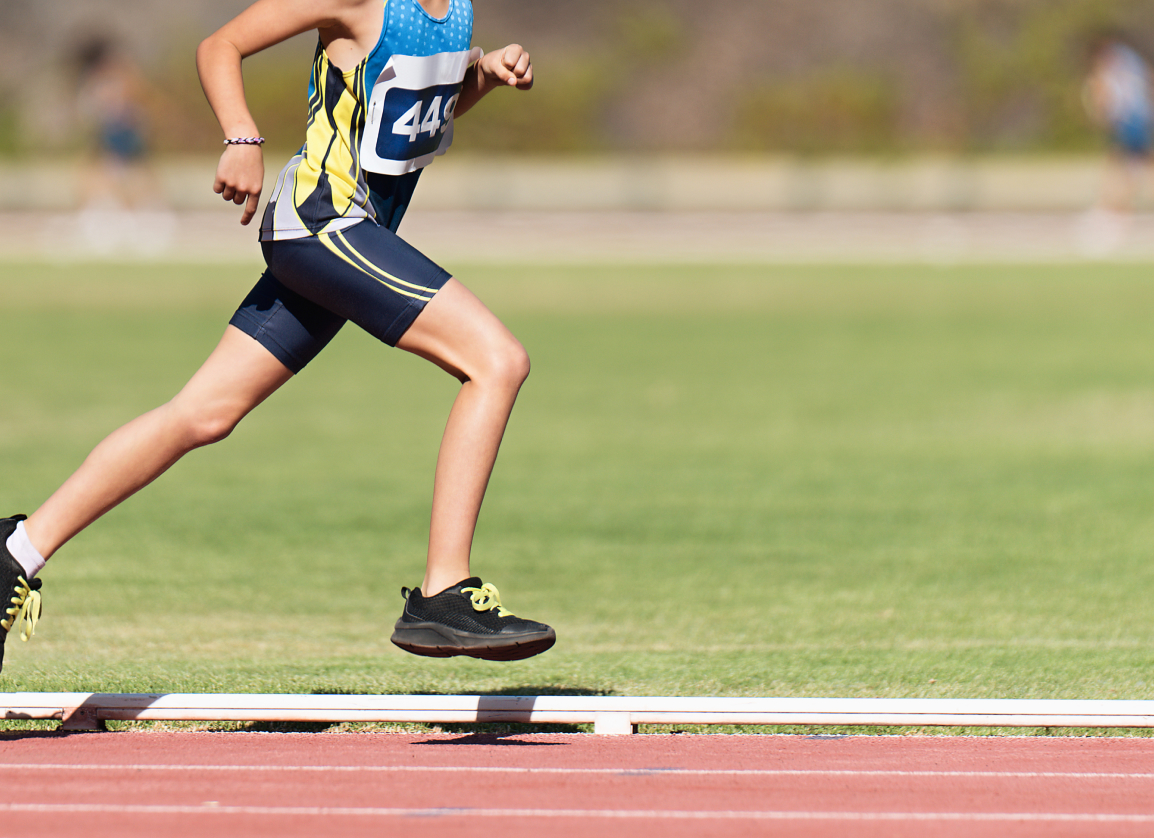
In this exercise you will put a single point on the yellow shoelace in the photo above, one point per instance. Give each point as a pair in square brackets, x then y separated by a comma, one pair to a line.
[486, 598]
[24, 610]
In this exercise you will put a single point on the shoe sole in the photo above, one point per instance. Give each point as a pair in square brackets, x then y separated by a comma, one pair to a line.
[430, 643]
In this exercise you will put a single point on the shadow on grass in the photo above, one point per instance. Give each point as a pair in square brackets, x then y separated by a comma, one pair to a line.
[475, 733]
[490, 733]
[287, 727]
[497, 734]
[17, 735]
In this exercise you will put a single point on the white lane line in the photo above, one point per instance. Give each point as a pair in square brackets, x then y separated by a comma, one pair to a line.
[616, 772]
[634, 814]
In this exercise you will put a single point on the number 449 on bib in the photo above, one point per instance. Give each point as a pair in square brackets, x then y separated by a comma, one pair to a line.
[412, 123]
[410, 112]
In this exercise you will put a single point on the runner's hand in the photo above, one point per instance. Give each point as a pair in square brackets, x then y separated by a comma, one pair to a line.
[240, 177]
[509, 66]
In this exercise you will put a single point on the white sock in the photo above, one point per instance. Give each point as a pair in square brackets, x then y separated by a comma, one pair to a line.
[24, 553]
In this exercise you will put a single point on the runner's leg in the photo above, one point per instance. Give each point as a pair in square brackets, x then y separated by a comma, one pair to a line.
[459, 334]
[238, 375]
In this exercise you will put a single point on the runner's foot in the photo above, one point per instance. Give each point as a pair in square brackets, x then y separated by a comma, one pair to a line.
[468, 619]
[19, 598]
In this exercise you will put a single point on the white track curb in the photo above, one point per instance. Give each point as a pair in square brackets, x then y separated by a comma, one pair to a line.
[608, 714]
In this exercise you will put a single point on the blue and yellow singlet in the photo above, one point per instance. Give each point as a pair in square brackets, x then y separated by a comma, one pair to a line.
[371, 129]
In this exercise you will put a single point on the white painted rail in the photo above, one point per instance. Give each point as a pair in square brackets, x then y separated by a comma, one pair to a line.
[608, 714]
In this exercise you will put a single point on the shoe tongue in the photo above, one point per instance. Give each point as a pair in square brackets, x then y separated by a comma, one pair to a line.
[471, 582]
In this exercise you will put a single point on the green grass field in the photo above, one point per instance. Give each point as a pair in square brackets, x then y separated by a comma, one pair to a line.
[738, 481]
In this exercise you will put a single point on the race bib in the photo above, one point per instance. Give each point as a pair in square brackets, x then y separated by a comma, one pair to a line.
[410, 114]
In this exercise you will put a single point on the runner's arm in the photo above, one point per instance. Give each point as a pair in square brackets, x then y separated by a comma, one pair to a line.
[240, 173]
[508, 67]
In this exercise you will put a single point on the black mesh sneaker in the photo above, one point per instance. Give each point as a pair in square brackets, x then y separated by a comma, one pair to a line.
[19, 599]
[468, 619]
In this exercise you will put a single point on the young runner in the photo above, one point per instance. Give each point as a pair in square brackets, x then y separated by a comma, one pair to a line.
[1119, 96]
[388, 78]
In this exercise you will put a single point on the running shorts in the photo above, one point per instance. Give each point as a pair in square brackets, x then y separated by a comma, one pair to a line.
[313, 285]
[1133, 137]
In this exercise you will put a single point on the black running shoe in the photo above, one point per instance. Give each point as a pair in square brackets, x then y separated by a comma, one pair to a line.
[19, 599]
[467, 619]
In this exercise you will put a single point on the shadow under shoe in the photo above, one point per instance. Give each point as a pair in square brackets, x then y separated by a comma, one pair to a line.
[467, 619]
[19, 597]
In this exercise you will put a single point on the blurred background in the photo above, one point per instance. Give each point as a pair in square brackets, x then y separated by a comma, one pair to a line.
[839, 317]
[784, 128]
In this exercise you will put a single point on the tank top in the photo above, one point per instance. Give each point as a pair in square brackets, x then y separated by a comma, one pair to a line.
[373, 128]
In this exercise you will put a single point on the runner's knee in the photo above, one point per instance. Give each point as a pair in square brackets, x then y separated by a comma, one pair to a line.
[507, 363]
[201, 425]
[207, 429]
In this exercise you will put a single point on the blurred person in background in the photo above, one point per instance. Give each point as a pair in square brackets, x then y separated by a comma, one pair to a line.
[1117, 96]
[121, 195]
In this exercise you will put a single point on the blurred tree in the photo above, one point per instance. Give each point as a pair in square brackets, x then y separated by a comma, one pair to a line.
[1021, 68]
[836, 110]
[653, 75]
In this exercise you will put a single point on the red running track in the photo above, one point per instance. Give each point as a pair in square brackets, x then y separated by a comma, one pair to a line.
[272, 784]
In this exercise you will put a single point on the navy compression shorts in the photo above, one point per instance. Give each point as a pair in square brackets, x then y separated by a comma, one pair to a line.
[313, 285]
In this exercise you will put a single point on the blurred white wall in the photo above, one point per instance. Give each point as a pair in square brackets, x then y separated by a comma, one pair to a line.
[677, 184]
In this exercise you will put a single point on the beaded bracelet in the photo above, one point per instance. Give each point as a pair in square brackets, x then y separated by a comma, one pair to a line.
[244, 141]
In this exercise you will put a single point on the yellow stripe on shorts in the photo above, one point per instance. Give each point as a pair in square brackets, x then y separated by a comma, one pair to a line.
[327, 240]
[368, 264]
